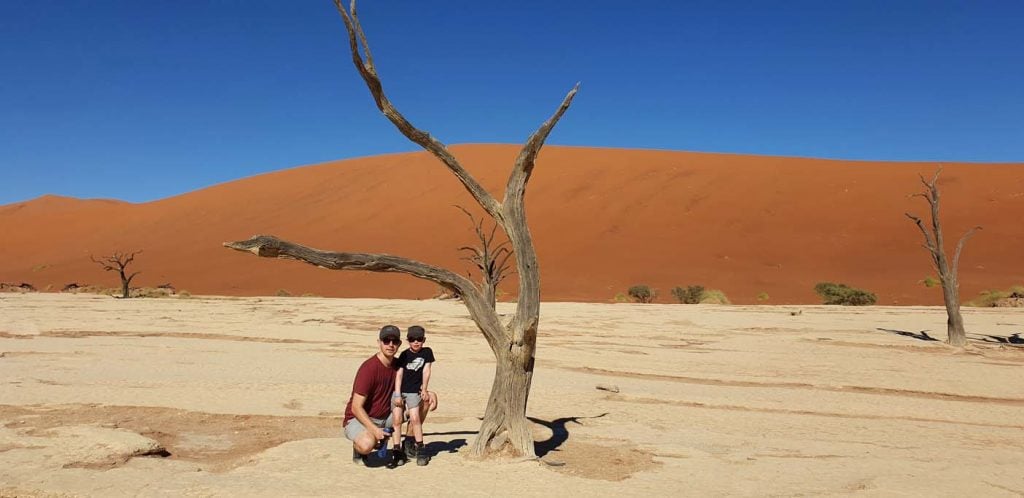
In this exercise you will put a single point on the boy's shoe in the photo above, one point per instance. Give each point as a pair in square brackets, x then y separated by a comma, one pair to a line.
[421, 455]
[397, 459]
[409, 446]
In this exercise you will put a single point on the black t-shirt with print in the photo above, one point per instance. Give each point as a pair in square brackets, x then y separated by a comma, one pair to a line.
[413, 363]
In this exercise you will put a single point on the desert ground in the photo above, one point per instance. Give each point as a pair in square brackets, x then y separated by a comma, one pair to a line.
[229, 396]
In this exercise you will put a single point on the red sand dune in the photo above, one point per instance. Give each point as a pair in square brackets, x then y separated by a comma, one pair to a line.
[602, 219]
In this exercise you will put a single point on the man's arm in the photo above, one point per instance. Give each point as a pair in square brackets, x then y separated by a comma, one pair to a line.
[396, 398]
[364, 418]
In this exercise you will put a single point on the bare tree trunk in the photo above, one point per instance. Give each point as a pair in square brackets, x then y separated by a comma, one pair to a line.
[124, 285]
[119, 262]
[934, 243]
[505, 424]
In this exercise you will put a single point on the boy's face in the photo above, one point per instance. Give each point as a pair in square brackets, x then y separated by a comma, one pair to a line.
[416, 344]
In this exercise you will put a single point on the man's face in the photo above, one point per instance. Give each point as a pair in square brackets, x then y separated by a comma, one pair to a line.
[389, 346]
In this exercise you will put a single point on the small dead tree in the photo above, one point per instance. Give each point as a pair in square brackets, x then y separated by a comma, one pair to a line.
[490, 259]
[513, 342]
[933, 242]
[119, 262]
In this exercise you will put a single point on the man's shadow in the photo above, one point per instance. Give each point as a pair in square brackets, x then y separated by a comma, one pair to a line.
[559, 433]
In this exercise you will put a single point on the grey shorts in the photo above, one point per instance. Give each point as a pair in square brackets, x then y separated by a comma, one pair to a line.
[412, 400]
[354, 428]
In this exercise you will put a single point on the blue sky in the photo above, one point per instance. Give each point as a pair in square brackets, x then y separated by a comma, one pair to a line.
[141, 100]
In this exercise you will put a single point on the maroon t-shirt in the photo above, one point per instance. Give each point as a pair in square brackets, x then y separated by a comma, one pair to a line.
[377, 382]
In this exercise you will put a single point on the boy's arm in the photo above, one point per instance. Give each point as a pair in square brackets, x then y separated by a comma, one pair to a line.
[426, 380]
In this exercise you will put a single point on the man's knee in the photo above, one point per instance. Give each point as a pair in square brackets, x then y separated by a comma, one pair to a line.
[364, 444]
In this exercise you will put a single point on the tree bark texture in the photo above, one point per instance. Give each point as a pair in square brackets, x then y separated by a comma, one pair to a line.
[934, 243]
[505, 427]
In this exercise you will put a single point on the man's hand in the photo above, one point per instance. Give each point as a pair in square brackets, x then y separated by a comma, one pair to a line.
[378, 433]
[398, 402]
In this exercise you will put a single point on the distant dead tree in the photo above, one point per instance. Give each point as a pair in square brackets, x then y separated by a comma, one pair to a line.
[119, 261]
[933, 242]
[490, 259]
[513, 342]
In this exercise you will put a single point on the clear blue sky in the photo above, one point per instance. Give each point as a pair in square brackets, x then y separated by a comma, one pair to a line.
[140, 100]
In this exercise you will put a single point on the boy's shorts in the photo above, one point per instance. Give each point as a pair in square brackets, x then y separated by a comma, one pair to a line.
[412, 400]
[354, 428]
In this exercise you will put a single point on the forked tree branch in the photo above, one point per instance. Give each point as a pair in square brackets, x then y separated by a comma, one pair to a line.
[267, 246]
[523, 168]
[357, 37]
[960, 245]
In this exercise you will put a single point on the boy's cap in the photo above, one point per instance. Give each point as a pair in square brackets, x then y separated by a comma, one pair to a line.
[416, 332]
[390, 331]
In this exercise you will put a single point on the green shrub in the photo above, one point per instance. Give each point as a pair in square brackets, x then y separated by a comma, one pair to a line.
[991, 299]
[714, 296]
[621, 298]
[762, 296]
[842, 294]
[930, 281]
[689, 295]
[642, 293]
[282, 293]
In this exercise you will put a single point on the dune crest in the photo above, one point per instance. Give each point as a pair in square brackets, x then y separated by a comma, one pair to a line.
[602, 220]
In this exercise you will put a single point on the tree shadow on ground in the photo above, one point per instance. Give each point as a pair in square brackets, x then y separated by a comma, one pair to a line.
[1013, 339]
[921, 336]
[559, 433]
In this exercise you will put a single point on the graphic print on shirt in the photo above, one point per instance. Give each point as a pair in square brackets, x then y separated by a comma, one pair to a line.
[415, 364]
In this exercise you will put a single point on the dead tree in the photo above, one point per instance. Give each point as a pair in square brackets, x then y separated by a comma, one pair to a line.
[119, 262]
[513, 342]
[933, 242]
[490, 259]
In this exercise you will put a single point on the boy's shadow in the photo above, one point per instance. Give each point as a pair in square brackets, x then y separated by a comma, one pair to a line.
[559, 433]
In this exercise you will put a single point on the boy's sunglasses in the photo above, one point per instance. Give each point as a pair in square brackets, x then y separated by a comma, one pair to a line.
[391, 340]
[418, 339]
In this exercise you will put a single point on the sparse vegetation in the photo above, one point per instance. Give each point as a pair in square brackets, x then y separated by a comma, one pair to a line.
[688, 295]
[184, 294]
[843, 294]
[282, 293]
[762, 297]
[714, 296]
[997, 298]
[642, 293]
[930, 281]
[22, 287]
[697, 294]
[621, 298]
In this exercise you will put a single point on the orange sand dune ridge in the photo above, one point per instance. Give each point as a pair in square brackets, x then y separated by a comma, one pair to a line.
[602, 220]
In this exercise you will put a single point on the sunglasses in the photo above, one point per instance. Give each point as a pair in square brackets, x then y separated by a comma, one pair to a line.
[391, 340]
[418, 339]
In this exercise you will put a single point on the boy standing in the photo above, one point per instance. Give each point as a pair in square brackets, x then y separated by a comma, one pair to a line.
[411, 380]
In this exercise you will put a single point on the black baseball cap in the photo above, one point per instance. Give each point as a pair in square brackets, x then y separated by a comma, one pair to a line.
[416, 332]
[390, 331]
